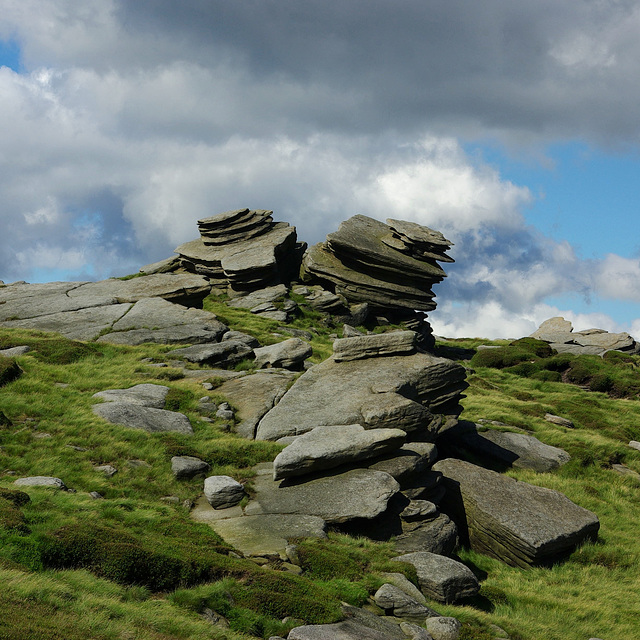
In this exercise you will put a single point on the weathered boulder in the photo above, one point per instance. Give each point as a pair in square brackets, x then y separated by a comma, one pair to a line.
[336, 498]
[443, 628]
[12, 352]
[288, 354]
[254, 395]
[396, 602]
[184, 467]
[370, 346]
[415, 393]
[276, 293]
[441, 578]
[140, 417]
[41, 481]
[331, 446]
[146, 395]
[224, 353]
[223, 492]
[513, 521]
[404, 584]
[406, 464]
[438, 535]
[503, 447]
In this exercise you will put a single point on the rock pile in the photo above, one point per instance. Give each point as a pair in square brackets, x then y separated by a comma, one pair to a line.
[243, 250]
[392, 267]
[559, 333]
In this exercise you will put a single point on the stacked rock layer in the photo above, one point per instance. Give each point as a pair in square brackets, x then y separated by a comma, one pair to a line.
[389, 266]
[244, 250]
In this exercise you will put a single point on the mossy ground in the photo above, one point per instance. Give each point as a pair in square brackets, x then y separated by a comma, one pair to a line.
[133, 566]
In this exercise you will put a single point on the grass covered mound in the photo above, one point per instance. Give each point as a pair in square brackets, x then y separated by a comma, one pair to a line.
[616, 374]
[133, 564]
[9, 370]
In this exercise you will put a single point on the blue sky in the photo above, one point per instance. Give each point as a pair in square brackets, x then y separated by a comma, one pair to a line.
[513, 128]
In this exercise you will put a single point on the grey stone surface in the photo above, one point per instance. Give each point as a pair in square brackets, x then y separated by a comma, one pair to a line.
[223, 492]
[402, 582]
[107, 469]
[140, 417]
[146, 395]
[347, 630]
[239, 336]
[337, 498]
[513, 521]
[396, 602]
[15, 351]
[441, 578]
[512, 449]
[559, 420]
[552, 327]
[331, 446]
[414, 632]
[260, 296]
[333, 393]
[382, 344]
[634, 444]
[254, 395]
[188, 467]
[437, 535]
[268, 535]
[162, 266]
[288, 354]
[221, 353]
[406, 464]
[443, 628]
[41, 481]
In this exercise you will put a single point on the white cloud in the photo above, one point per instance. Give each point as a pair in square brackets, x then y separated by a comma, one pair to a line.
[617, 277]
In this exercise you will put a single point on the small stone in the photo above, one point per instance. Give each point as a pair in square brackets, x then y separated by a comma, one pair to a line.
[207, 386]
[96, 496]
[225, 414]
[107, 469]
[41, 436]
[138, 464]
[292, 553]
[223, 491]
[414, 632]
[634, 444]
[76, 448]
[188, 467]
[419, 510]
[563, 422]
[170, 499]
[292, 568]
[443, 628]
[41, 481]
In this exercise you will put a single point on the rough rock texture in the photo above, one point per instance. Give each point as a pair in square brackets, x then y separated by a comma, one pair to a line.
[443, 628]
[503, 447]
[382, 344]
[331, 446]
[223, 492]
[338, 498]
[242, 249]
[438, 535]
[254, 395]
[223, 354]
[396, 602]
[369, 261]
[560, 334]
[146, 395]
[147, 418]
[441, 578]
[184, 467]
[41, 481]
[411, 393]
[513, 521]
[403, 583]
[406, 464]
[288, 354]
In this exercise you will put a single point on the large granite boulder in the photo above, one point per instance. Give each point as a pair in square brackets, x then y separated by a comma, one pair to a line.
[146, 395]
[441, 578]
[415, 393]
[398, 603]
[147, 418]
[518, 523]
[336, 498]
[221, 354]
[382, 344]
[331, 446]
[388, 266]
[288, 354]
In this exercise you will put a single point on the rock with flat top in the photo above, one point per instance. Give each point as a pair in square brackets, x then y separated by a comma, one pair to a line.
[396, 602]
[146, 395]
[223, 492]
[141, 417]
[221, 354]
[41, 481]
[382, 344]
[185, 467]
[288, 354]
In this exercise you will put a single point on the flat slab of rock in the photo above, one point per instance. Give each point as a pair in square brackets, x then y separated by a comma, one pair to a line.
[400, 392]
[406, 464]
[253, 299]
[511, 449]
[254, 395]
[41, 481]
[438, 535]
[338, 498]
[441, 578]
[396, 602]
[516, 522]
[188, 467]
[222, 353]
[370, 346]
[268, 535]
[288, 354]
[331, 446]
[147, 418]
[346, 630]
[146, 395]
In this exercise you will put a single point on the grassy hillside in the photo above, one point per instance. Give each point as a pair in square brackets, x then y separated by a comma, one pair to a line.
[132, 565]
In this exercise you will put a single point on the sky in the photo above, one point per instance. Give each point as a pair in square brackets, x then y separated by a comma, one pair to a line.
[511, 127]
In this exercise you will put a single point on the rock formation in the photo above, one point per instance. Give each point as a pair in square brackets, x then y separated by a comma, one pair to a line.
[243, 250]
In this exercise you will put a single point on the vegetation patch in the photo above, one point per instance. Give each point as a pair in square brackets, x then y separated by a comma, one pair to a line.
[9, 370]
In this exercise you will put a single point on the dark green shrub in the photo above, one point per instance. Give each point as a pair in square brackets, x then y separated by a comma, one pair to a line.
[534, 346]
[324, 563]
[48, 347]
[179, 400]
[11, 518]
[619, 357]
[580, 372]
[9, 370]
[547, 376]
[560, 362]
[524, 369]
[18, 498]
[601, 382]
[500, 357]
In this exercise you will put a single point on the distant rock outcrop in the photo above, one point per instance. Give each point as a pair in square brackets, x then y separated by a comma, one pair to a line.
[243, 250]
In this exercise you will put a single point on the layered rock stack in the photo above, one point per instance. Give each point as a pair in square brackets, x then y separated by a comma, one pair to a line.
[392, 266]
[243, 250]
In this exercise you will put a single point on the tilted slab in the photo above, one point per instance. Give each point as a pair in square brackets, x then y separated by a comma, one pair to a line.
[331, 446]
[382, 344]
[146, 395]
[334, 393]
[516, 522]
[337, 498]
[147, 418]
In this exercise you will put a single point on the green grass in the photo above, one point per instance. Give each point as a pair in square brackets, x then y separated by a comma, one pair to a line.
[133, 564]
